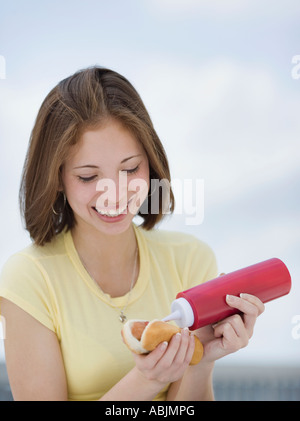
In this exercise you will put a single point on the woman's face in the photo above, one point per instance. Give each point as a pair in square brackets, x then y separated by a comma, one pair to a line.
[106, 178]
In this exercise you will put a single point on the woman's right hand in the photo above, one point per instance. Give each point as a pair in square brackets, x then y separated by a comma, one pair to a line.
[168, 362]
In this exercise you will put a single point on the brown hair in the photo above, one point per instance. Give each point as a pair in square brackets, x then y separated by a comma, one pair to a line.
[78, 102]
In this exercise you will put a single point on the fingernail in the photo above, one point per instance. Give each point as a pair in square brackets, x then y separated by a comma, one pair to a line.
[242, 295]
[229, 297]
[178, 335]
[185, 331]
[164, 345]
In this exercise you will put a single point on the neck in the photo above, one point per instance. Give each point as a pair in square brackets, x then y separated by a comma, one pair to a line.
[109, 259]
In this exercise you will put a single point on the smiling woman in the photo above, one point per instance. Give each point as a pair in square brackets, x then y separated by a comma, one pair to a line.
[74, 110]
[91, 159]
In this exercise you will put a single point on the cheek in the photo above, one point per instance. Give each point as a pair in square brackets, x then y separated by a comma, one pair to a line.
[79, 193]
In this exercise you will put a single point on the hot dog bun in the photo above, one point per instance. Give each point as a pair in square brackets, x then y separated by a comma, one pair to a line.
[143, 337]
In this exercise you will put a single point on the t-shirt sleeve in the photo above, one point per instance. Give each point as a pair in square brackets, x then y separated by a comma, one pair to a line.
[24, 282]
[201, 265]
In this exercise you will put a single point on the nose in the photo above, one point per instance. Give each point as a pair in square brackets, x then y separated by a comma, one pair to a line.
[113, 192]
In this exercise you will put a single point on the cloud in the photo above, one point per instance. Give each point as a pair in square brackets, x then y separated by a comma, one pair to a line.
[221, 8]
[236, 124]
[192, 6]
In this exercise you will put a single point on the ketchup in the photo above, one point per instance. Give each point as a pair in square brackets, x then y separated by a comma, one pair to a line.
[205, 304]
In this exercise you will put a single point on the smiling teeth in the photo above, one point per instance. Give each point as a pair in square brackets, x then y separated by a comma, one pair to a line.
[111, 213]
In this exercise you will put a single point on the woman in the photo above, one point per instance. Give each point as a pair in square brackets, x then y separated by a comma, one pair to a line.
[91, 161]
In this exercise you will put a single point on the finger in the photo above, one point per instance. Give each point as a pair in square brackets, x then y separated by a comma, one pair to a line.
[234, 333]
[235, 321]
[254, 300]
[149, 361]
[227, 335]
[191, 349]
[181, 354]
[172, 350]
[246, 303]
[251, 309]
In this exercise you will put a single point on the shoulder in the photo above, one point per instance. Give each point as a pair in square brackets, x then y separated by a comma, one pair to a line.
[192, 258]
[171, 238]
[25, 281]
[28, 261]
[174, 240]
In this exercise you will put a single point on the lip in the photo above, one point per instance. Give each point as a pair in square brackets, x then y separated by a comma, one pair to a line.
[115, 211]
[111, 219]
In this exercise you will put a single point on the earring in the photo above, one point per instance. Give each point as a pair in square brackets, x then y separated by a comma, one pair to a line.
[63, 208]
[53, 210]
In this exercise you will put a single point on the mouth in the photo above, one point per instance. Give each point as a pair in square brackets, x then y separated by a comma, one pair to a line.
[113, 213]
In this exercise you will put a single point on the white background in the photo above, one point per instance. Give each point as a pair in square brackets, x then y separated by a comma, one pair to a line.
[217, 78]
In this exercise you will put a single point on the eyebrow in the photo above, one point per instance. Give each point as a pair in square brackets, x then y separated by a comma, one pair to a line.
[95, 166]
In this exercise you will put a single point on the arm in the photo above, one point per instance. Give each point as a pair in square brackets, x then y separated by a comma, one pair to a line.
[36, 370]
[154, 371]
[195, 385]
[33, 358]
[134, 387]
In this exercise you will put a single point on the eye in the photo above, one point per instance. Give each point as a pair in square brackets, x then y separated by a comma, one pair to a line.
[133, 170]
[86, 179]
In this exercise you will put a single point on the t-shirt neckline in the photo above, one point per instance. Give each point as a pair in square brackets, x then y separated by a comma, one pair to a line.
[140, 285]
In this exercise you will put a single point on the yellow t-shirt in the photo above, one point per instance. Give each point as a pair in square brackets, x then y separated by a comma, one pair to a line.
[52, 285]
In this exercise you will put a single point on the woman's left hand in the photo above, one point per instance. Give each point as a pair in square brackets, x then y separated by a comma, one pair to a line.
[233, 333]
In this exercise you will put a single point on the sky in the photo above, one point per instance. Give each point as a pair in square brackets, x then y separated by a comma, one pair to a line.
[221, 83]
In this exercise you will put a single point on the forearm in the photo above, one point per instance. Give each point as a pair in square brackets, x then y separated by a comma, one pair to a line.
[133, 387]
[195, 385]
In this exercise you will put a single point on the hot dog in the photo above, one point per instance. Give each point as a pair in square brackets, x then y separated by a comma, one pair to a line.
[142, 337]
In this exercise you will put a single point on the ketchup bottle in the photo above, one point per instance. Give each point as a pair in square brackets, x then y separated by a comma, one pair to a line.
[206, 303]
